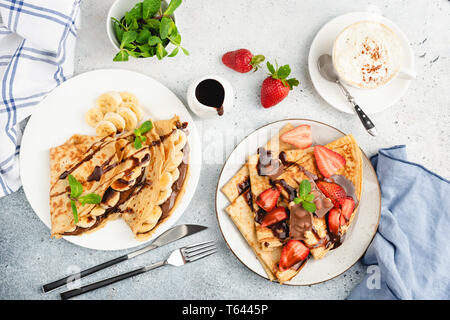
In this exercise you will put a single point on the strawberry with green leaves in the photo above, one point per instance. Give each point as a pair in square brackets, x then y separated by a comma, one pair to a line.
[242, 60]
[276, 87]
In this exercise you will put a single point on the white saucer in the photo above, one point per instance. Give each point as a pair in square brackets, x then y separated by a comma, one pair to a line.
[371, 101]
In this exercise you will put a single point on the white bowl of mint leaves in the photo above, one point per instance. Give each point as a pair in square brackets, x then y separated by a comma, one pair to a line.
[144, 29]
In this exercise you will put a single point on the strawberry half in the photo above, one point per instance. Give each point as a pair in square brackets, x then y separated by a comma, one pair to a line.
[334, 220]
[294, 251]
[242, 60]
[347, 207]
[268, 199]
[276, 87]
[299, 136]
[328, 161]
[276, 215]
[333, 191]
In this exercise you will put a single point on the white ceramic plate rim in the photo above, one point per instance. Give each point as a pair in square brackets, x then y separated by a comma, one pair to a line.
[364, 97]
[38, 194]
[236, 242]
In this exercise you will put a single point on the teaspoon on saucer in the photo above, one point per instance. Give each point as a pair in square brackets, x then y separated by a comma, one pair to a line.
[326, 69]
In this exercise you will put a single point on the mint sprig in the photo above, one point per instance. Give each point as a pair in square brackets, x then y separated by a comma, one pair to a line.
[146, 31]
[305, 197]
[76, 189]
[139, 134]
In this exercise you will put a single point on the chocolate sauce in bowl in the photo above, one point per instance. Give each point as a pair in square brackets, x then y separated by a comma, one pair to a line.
[211, 93]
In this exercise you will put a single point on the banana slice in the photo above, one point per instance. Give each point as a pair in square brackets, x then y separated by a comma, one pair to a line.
[129, 117]
[86, 221]
[179, 140]
[117, 120]
[163, 196]
[166, 180]
[93, 116]
[105, 128]
[129, 97]
[175, 174]
[97, 211]
[176, 161]
[135, 108]
[109, 101]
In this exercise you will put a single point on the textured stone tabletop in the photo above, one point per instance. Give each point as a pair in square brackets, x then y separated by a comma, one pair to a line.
[421, 120]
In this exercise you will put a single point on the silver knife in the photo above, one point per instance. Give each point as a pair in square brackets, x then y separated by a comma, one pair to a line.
[169, 236]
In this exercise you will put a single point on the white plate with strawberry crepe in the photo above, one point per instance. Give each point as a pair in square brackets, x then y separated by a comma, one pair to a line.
[260, 239]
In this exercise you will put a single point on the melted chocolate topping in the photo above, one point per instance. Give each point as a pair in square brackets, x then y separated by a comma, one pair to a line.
[300, 222]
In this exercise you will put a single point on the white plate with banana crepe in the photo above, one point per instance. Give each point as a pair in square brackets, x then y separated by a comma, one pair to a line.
[298, 202]
[110, 159]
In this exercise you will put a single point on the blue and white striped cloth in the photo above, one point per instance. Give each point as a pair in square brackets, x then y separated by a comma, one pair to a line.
[37, 46]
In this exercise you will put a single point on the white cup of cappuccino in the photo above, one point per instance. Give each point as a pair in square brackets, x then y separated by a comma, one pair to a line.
[368, 55]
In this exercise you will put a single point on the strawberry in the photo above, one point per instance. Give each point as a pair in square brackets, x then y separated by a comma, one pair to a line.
[275, 87]
[242, 60]
[347, 206]
[276, 215]
[333, 191]
[334, 220]
[328, 161]
[299, 136]
[268, 199]
[342, 220]
[294, 251]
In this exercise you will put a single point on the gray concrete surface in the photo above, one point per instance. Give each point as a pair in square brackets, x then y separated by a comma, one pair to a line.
[282, 30]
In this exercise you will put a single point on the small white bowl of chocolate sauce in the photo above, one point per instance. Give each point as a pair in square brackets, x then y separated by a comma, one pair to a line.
[210, 96]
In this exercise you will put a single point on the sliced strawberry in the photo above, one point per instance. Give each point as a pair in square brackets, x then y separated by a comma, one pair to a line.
[294, 251]
[347, 207]
[333, 191]
[328, 161]
[268, 199]
[342, 220]
[299, 136]
[276, 215]
[334, 220]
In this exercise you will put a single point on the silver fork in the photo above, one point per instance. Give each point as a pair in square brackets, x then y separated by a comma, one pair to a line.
[177, 258]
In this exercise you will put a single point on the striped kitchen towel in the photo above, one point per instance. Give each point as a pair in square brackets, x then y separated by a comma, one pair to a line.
[37, 46]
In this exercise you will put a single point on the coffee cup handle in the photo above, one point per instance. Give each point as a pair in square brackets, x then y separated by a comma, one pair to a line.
[407, 74]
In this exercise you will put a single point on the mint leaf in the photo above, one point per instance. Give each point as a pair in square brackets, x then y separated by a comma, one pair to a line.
[137, 142]
[122, 55]
[304, 189]
[127, 38]
[153, 23]
[161, 52]
[174, 52]
[76, 189]
[74, 211]
[297, 200]
[175, 39]
[118, 31]
[172, 7]
[185, 51]
[309, 198]
[143, 36]
[150, 8]
[309, 206]
[90, 198]
[164, 29]
[153, 40]
[136, 11]
[145, 127]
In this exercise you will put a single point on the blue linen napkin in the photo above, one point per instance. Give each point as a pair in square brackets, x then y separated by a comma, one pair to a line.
[409, 257]
[37, 46]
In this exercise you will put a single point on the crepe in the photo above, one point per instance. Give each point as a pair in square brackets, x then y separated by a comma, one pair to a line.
[166, 179]
[99, 154]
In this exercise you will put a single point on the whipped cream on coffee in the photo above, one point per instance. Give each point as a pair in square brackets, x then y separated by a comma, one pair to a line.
[367, 54]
